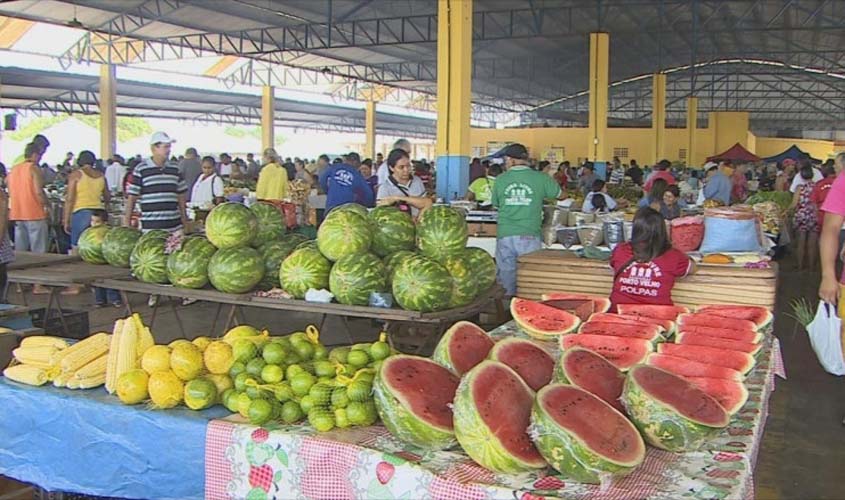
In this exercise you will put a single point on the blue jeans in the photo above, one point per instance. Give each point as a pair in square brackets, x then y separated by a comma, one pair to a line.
[32, 236]
[106, 296]
[507, 251]
[79, 222]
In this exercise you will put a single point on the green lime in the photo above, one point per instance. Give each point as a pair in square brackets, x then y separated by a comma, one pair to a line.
[304, 349]
[340, 418]
[321, 420]
[339, 398]
[243, 350]
[277, 409]
[349, 370]
[309, 367]
[259, 412]
[356, 413]
[364, 346]
[274, 353]
[200, 393]
[321, 394]
[292, 371]
[320, 352]
[326, 380]
[379, 350]
[324, 369]
[283, 392]
[298, 337]
[360, 391]
[301, 383]
[236, 369]
[371, 413]
[254, 367]
[230, 400]
[254, 392]
[243, 404]
[272, 374]
[292, 357]
[339, 354]
[291, 412]
[240, 381]
[377, 364]
[282, 341]
[365, 376]
[306, 403]
[358, 359]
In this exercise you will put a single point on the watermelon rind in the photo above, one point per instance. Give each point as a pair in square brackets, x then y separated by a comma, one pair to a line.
[392, 261]
[715, 308]
[421, 284]
[600, 304]
[740, 361]
[713, 320]
[118, 245]
[719, 389]
[483, 267]
[464, 287]
[523, 318]
[477, 439]
[354, 277]
[567, 452]
[442, 354]
[148, 260]
[441, 231]
[187, 267]
[303, 269]
[235, 270]
[661, 425]
[90, 244]
[343, 233]
[393, 230]
[396, 416]
[617, 350]
[561, 375]
[231, 225]
[271, 223]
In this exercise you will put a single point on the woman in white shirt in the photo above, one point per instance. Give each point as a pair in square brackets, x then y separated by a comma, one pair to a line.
[591, 203]
[208, 189]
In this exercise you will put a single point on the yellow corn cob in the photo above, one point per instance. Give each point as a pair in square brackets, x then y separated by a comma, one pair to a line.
[61, 379]
[127, 356]
[35, 356]
[96, 367]
[72, 383]
[114, 349]
[145, 338]
[84, 351]
[45, 341]
[26, 374]
[91, 382]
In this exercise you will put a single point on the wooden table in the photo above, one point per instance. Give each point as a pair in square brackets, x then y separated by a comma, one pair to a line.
[547, 271]
[26, 260]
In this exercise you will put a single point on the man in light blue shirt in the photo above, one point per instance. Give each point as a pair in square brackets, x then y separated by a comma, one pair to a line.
[719, 185]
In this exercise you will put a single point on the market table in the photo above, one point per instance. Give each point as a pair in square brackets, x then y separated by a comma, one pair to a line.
[547, 271]
[26, 260]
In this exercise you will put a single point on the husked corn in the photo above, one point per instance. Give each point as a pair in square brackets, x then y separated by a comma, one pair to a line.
[91, 382]
[96, 367]
[61, 379]
[84, 351]
[26, 374]
[45, 341]
[39, 356]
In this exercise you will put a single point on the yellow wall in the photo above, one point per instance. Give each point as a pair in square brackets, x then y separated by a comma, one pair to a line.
[729, 127]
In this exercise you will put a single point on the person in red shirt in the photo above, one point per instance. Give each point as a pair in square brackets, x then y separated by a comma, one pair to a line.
[661, 171]
[820, 191]
[646, 267]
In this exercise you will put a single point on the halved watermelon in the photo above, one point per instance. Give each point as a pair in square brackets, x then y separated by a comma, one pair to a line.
[664, 324]
[529, 360]
[721, 343]
[652, 311]
[648, 332]
[687, 368]
[541, 321]
[600, 304]
[593, 373]
[463, 346]
[714, 321]
[731, 394]
[623, 352]
[583, 308]
[739, 361]
[759, 315]
[752, 337]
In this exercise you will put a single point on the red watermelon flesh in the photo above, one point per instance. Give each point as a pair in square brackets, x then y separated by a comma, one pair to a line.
[751, 337]
[681, 395]
[593, 373]
[721, 343]
[540, 320]
[623, 352]
[504, 402]
[648, 332]
[652, 311]
[665, 324]
[583, 308]
[687, 368]
[426, 387]
[603, 430]
[468, 345]
[529, 360]
[739, 361]
[600, 304]
[759, 315]
[713, 321]
[731, 394]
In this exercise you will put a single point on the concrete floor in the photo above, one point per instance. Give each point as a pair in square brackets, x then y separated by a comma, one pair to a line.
[803, 448]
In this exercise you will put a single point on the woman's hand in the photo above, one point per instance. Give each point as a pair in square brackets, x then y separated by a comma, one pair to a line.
[387, 201]
[829, 290]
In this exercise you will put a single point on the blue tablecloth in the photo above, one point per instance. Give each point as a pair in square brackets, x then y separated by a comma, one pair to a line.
[86, 441]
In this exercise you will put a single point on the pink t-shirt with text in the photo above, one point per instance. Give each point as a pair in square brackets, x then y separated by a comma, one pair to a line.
[646, 282]
[835, 204]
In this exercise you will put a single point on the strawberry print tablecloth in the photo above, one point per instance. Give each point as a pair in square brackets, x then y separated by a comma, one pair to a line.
[249, 462]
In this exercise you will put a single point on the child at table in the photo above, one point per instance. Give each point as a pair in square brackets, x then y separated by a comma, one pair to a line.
[647, 266]
[103, 296]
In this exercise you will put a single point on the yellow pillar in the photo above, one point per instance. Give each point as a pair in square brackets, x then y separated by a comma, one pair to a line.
[692, 124]
[268, 121]
[658, 117]
[599, 149]
[370, 125]
[108, 111]
[454, 65]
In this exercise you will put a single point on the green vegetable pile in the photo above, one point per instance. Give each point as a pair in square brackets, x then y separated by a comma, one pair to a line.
[782, 198]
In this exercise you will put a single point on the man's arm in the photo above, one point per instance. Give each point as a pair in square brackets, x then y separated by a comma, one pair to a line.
[38, 183]
[183, 209]
[128, 209]
[828, 249]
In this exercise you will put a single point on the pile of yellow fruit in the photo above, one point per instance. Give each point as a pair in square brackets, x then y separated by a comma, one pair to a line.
[42, 359]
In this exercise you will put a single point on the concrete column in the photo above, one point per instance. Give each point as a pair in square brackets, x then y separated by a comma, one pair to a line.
[692, 124]
[108, 111]
[658, 117]
[598, 148]
[370, 124]
[454, 66]
[268, 121]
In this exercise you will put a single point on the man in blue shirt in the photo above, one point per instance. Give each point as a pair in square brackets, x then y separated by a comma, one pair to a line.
[719, 185]
[343, 183]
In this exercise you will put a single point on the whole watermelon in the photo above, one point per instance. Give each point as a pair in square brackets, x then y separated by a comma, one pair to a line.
[273, 254]
[464, 285]
[307, 244]
[393, 230]
[235, 270]
[271, 224]
[118, 245]
[154, 233]
[421, 284]
[483, 267]
[90, 245]
[343, 233]
[187, 267]
[351, 207]
[392, 261]
[441, 231]
[305, 268]
[354, 277]
[231, 225]
[148, 260]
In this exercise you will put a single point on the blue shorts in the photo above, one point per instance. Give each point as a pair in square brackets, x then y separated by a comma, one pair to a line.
[79, 221]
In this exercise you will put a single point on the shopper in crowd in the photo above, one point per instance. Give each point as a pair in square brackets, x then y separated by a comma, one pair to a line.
[290, 168]
[597, 200]
[646, 267]
[799, 177]
[383, 170]
[49, 173]
[68, 162]
[366, 170]
[585, 181]
[785, 175]
[661, 171]
[159, 189]
[518, 194]
[476, 170]
[322, 164]
[671, 205]
[739, 185]
[29, 205]
[402, 189]
[654, 197]
[115, 173]
[830, 289]
[481, 189]
[225, 167]
[805, 220]
[343, 183]
[208, 189]
[379, 159]
[617, 172]
[719, 186]
[301, 172]
[822, 188]
[252, 167]
[190, 168]
[273, 179]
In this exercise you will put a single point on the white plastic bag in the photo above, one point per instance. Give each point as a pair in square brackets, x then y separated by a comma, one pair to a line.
[826, 338]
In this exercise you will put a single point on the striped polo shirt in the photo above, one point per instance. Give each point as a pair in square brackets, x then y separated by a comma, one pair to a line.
[158, 190]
